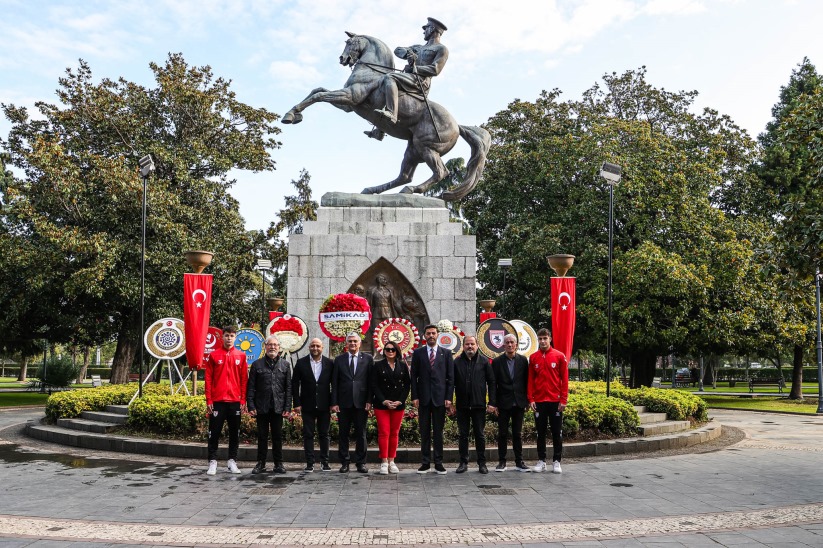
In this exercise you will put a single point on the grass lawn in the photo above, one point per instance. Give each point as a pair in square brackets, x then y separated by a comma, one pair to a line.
[15, 399]
[762, 403]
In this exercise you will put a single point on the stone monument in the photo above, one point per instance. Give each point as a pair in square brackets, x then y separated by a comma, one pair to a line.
[399, 251]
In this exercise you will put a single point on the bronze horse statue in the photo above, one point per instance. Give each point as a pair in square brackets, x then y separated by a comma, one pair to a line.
[429, 129]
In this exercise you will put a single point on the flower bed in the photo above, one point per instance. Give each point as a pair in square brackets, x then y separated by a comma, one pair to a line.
[68, 405]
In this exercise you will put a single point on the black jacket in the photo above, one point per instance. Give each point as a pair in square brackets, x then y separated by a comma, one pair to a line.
[511, 392]
[269, 387]
[389, 385]
[348, 391]
[309, 394]
[471, 377]
[432, 385]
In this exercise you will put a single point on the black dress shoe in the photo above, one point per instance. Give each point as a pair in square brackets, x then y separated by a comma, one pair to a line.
[325, 467]
[279, 468]
[259, 468]
[483, 469]
[344, 468]
[362, 469]
[462, 468]
[309, 467]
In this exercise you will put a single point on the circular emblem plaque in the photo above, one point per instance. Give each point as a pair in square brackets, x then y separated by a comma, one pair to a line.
[399, 331]
[165, 339]
[250, 342]
[490, 336]
[291, 331]
[450, 337]
[527, 337]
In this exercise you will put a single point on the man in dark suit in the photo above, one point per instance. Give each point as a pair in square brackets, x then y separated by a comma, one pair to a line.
[351, 400]
[311, 387]
[472, 376]
[511, 374]
[432, 389]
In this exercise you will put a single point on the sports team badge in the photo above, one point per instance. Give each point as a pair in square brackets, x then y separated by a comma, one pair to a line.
[250, 342]
[490, 336]
[399, 331]
[165, 339]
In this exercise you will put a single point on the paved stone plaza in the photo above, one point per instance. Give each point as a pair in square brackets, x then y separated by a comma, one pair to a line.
[765, 490]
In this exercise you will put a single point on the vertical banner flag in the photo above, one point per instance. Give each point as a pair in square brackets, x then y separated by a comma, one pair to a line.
[196, 312]
[563, 314]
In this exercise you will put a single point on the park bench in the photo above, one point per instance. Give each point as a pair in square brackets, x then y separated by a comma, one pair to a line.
[625, 381]
[682, 380]
[779, 383]
[135, 377]
[95, 381]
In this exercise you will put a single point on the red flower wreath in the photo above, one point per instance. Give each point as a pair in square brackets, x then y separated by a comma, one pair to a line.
[343, 313]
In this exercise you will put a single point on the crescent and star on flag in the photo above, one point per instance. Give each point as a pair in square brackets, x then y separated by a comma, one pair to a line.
[194, 297]
[560, 300]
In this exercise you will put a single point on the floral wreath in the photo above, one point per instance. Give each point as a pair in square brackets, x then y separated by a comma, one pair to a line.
[450, 337]
[343, 313]
[291, 331]
[400, 331]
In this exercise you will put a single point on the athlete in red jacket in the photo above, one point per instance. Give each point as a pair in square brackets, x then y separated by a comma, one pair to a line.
[548, 394]
[226, 379]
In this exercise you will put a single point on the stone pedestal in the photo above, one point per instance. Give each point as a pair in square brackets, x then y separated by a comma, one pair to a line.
[415, 237]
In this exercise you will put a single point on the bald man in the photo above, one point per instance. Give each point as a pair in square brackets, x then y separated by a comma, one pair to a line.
[311, 388]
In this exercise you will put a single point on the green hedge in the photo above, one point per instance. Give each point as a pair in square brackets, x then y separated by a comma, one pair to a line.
[676, 404]
[71, 404]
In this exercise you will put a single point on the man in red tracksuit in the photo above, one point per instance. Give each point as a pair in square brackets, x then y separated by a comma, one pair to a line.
[548, 393]
[226, 380]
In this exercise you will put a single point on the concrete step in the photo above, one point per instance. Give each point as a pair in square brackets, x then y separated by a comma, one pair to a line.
[102, 416]
[85, 425]
[119, 409]
[666, 427]
[651, 418]
[640, 409]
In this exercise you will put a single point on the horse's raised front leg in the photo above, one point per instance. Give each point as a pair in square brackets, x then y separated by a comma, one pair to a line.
[407, 167]
[341, 98]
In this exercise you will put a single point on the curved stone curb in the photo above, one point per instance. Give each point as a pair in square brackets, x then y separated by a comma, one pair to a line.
[190, 450]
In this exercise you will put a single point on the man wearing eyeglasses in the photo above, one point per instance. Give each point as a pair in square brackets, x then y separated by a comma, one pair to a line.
[351, 400]
[511, 375]
[269, 399]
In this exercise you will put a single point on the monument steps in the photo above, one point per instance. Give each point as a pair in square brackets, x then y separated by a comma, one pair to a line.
[85, 425]
[106, 417]
[119, 409]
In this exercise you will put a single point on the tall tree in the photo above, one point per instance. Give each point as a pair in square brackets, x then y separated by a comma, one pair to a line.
[678, 263]
[78, 205]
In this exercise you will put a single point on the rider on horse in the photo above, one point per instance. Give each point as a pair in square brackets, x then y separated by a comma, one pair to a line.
[424, 62]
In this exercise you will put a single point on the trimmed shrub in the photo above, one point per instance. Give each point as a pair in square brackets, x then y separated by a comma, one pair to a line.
[67, 405]
[174, 415]
[677, 405]
[59, 371]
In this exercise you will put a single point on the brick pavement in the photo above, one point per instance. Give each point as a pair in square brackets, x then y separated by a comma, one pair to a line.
[766, 489]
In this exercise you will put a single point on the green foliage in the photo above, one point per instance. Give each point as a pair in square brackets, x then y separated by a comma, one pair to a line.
[59, 371]
[175, 415]
[676, 404]
[70, 229]
[66, 405]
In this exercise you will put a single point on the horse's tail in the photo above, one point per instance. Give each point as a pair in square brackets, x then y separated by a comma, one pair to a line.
[479, 140]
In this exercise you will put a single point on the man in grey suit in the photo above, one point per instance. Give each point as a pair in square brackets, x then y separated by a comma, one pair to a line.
[432, 389]
[511, 375]
[351, 400]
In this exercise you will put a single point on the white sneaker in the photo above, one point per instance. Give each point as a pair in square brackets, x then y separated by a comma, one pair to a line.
[556, 468]
[384, 469]
[232, 466]
[539, 467]
[212, 468]
[393, 468]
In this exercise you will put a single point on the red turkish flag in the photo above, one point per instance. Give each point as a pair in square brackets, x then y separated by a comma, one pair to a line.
[196, 312]
[563, 314]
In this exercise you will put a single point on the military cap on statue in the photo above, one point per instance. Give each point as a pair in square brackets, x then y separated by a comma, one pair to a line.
[437, 24]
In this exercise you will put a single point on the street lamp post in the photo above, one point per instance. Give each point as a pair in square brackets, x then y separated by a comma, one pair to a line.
[263, 265]
[819, 343]
[504, 264]
[611, 173]
[146, 168]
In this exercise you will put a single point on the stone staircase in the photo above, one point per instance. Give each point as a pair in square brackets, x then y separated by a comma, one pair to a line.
[98, 422]
[657, 424]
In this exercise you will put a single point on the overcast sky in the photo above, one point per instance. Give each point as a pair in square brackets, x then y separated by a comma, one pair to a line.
[735, 53]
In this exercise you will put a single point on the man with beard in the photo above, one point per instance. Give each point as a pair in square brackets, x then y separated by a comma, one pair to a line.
[311, 387]
[472, 376]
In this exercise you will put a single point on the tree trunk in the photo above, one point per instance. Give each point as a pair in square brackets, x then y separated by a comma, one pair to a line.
[123, 358]
[797, 374]
[81, 376]
[642, 370]
[24, 364]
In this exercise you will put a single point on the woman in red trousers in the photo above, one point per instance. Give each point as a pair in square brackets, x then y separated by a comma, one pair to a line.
[390, 383]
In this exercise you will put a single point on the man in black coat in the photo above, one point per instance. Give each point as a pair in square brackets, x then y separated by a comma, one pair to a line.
[351, 400]
[432, 388]
[268, 397]
[511, 374]
[311, 387]
[472, 376]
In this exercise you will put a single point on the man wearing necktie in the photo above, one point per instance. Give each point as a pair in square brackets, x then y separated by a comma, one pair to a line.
[511, 374]
[350, 399]
[432, 389]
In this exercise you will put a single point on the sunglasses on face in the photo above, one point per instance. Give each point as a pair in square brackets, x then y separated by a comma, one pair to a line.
[389, 350]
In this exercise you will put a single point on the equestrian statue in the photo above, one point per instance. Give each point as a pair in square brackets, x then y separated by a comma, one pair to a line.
[397, 103]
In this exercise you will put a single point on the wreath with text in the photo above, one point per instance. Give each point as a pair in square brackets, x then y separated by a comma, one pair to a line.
[343, 313]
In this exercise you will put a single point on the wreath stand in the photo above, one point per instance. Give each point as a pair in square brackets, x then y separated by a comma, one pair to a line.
[172, 365]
